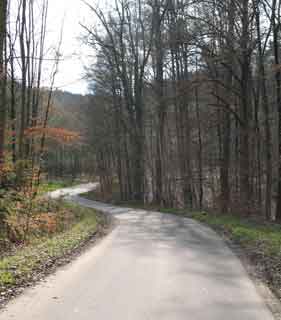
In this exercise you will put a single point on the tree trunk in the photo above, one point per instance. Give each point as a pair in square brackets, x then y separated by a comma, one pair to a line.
[245, 111]
[3, 102]
[200, 150]
[161, 107]
[276, 48]
[265, 105]
[226, 120]
[23, 82]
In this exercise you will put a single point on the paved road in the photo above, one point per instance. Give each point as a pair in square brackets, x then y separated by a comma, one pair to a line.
[152, 266]
[72, 191]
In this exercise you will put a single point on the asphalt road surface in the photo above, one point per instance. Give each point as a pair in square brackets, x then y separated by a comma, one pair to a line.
[152, 266]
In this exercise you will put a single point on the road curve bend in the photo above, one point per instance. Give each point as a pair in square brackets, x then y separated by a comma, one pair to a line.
[152, 266]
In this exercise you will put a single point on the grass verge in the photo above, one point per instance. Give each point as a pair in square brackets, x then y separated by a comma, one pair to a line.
[49, 186]
[30, 262]
[260, 241]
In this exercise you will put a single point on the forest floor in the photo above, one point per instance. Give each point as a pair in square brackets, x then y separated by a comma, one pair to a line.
[258, 243]
[71, 229]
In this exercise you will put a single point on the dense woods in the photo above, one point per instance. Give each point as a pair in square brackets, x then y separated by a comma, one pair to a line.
[30, 127]
[188, 103]
[28, 64]
[184, 107]
[182, 115]
[24, 107]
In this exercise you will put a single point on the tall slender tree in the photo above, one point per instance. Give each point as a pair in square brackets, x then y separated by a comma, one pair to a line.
[3, 77]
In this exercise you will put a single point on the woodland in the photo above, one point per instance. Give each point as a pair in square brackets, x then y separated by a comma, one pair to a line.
[187, 103]
[182, 115]
[183, 109]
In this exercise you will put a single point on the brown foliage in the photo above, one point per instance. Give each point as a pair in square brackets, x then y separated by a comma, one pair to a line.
[58, 134]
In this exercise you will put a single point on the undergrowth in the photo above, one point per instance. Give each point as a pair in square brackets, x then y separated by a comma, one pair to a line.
[42, 251]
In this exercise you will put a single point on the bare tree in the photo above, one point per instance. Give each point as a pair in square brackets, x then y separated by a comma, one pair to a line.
[3, 77]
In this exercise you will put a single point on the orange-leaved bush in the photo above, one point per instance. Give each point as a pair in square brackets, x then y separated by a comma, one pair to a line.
[59, 134]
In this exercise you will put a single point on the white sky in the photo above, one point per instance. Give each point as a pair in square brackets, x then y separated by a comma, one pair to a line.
[74, 53]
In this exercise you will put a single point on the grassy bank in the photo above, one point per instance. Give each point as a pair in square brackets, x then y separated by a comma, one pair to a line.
[260, 240]
[49, 186]
[29, 261]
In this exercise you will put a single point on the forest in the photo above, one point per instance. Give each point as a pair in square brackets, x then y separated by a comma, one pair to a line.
[36, 132]
[188, 103]
[182, 115]
[183, 110]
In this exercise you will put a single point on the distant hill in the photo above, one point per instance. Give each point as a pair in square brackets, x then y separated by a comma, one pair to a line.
[69, 110]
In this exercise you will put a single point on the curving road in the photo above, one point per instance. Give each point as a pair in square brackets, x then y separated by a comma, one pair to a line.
[152, 266]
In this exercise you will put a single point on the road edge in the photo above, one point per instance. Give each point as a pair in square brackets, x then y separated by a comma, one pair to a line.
[102, 231]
